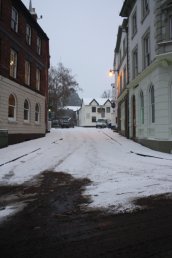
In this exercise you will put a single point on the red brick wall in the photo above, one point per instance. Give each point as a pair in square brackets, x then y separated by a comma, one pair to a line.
[10, 39]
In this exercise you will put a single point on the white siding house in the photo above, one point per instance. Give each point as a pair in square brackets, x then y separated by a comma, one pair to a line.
[93, 109]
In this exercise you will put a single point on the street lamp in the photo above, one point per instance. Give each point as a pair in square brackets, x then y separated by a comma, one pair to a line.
[112, 72]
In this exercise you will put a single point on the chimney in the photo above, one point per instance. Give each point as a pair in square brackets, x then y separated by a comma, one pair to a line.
[32, 11]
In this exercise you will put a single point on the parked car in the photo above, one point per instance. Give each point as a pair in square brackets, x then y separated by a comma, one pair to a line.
[101, 123]
[55, 124]
[66, 122]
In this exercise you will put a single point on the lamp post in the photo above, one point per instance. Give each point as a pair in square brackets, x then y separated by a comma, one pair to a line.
[112, 72]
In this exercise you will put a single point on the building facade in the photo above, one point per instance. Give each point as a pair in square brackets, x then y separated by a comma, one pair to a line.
[24, 63]
[121, 78]
[150, 72]
[93, 109]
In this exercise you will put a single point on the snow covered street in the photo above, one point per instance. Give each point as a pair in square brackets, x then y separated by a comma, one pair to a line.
[120, 169]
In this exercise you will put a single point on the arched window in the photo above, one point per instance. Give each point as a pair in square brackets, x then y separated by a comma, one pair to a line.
[26, 110]
[152, 104]
[12, 108]
[37, 113]
[141, 107]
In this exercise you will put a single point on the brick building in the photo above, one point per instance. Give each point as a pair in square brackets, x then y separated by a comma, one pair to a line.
[24, 63]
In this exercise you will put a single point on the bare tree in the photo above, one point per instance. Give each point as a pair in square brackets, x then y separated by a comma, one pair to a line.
[106, 94]
[61, 83]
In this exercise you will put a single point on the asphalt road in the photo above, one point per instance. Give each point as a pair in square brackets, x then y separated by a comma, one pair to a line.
[56, 223]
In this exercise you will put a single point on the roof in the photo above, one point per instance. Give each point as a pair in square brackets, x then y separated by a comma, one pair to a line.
[127, 7]
[118, 38]
[74, 108]
[21, 5]
[100, 101]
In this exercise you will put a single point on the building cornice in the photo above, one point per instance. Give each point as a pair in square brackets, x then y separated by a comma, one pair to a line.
[127, 8]
[122, 96]
[163, 60]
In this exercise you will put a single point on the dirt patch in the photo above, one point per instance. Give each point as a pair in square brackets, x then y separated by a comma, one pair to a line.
[55, 223]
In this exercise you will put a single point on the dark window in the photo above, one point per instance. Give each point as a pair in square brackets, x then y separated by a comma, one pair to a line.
[13, 63]
[27, 73]
[170, 26]
[152, 104]
[28, 34]
[38, 79]
[146, 50]
[93, 109]
[0, 7]
[12, 108]
[93, 119]
[135, 63]
[141, 107]
[145, 8]
[38, 46]
[134, 24]
[37, 113]
[14, 19]
[26, 110]
[107, 109]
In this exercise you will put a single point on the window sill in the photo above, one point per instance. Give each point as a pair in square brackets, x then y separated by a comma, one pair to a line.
[165, 42]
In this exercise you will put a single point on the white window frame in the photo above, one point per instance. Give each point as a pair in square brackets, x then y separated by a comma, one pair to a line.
[13, 63]
[14, 19]
[38, 45]
[38, 79]
[37, 113]
[26, 111]
[28, 34]
[93, 109]
[13, 108]
[146, 49]
[135, 62]
[107, 109]
[27, 72]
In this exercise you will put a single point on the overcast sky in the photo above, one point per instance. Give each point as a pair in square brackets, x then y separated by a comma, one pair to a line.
[82, 36]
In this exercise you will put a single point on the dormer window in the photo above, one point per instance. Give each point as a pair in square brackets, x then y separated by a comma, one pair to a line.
[14, 19]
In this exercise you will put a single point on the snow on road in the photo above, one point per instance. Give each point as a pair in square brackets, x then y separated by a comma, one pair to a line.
[110, 161]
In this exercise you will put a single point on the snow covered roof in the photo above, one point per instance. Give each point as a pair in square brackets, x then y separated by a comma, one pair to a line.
[100, 101]
[74, 108]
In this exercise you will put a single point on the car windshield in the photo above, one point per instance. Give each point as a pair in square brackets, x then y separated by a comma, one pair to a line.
[101, 120]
